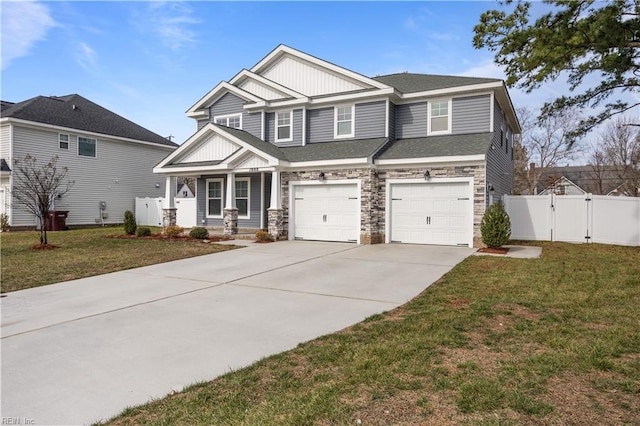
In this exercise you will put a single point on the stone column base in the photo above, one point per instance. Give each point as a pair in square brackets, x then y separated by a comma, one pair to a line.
[373, 238]
[276, 223]
[168, 218]
[230, 221]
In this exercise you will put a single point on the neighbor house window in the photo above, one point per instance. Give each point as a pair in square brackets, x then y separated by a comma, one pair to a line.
[63, 141]
[234, 121]
[242, 197]
[283, 126]
[439, 117]
[344, 121]
[86, 147]
[214, 197]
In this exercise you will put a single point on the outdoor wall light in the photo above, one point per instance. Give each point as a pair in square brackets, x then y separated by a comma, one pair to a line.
[157, 185]
[427, 175]
[491, 189]
[321, 176]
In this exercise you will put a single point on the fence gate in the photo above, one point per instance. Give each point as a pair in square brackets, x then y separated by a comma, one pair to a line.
[149, 211]
[575, 218]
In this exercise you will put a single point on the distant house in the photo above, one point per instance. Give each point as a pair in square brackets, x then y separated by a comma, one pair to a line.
[563, 186]
[184, 191]
[577, 180]
[109, 157]
[314, 151]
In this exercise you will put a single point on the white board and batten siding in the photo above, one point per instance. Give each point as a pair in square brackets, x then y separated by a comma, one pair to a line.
[120, 172]
[438, 211]
[325, 211]
[575, 218]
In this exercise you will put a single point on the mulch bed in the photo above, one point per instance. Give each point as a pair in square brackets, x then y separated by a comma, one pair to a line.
[501, 250]
[163, 237]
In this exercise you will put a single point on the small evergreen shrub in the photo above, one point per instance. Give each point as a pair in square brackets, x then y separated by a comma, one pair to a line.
[495, 226]
[4, 222]
[143, 232]
[199, 233]
[174, 231]
[264, 237]
[129, 223]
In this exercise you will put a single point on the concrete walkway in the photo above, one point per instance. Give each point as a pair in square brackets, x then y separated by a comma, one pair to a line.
[83, 350]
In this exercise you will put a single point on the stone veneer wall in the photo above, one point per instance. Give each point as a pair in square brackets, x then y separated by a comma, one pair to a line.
[373, 192]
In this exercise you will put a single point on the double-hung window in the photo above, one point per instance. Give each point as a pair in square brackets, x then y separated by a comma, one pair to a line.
[63, 141]
[344, 127]
[233, 120]
[440, 117]
[214, 197]
[86, 147]
[242, 197]
[284, 126]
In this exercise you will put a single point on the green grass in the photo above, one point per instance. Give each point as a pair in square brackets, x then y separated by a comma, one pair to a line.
[497, 341]
[83, 253]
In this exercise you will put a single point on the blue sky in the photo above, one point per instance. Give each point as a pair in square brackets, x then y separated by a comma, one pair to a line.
[150, 61]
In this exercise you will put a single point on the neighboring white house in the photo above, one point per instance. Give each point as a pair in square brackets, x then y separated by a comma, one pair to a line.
[109, 157]
[184, 191]
[311, 150]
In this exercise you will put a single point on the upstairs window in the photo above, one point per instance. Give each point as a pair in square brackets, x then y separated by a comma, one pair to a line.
[234, 120]
[242, 197]
[439, 117]
[283, 126]
[344, 121]
[86, 147]
[63, 141]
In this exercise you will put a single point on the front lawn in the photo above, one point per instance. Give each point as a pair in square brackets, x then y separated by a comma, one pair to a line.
[84, 253]
[497, 341]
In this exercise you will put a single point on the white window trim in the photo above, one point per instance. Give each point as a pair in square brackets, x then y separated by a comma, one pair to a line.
[275, 126]
[78, 150]
[449, 121]
[248, 180]
[335, 122]
[206, 189]
[68, 141]
[227, 117]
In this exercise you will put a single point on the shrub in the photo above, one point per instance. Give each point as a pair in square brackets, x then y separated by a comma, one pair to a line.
[143, 232]
[4, 222]
[199, 233]
[264, 237]
[129, 223]
[495, 226]
[173, 231]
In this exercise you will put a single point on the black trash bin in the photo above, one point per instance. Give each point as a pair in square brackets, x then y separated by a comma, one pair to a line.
[57, 220]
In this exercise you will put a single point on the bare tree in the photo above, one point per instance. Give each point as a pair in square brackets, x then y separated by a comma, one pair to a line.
[35, 187]
[543, 143]
[619, 144]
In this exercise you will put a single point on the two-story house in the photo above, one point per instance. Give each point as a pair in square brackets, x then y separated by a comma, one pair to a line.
[314, 151]
[109, 158]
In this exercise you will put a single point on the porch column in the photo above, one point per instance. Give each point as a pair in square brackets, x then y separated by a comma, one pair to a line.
[169, 206]
[230, 212]
[275, 212]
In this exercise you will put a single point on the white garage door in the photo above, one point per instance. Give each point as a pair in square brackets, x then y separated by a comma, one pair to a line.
[326, 212]
[431, 213]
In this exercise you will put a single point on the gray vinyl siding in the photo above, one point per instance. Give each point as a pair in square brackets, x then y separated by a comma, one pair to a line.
[320, 125]
[269, 118]
[296, 129]
[254, 201]
[392, 121]
[120, 172]
[411, 120]
[370, 120]
[202, 123]
[252, 123]
[231, 104]
[471, 114]
[499, 160]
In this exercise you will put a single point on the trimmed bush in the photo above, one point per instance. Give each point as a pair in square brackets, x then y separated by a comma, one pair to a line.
[129, 223]
[199, 233]
[495, 226]
[174, 231]
[143, 232]
[264, 237]
[4, 222]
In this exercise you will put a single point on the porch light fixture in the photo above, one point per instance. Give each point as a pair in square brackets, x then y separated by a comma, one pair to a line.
[157, 185]
[321, 176]
[491, 189]
[427, 175]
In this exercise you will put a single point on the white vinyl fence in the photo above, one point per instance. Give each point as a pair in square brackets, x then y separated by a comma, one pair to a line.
[149, 211]
[575, 218]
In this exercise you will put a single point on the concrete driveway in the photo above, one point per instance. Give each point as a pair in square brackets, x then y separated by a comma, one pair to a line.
[83, 350]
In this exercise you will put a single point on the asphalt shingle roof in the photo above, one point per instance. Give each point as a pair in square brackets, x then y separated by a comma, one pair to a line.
[334, 150]
[76, 112]
[258, 143]
[410, 83]
[438, 146]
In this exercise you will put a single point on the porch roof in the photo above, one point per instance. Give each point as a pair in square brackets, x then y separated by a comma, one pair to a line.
[438, 146]
[334, 150]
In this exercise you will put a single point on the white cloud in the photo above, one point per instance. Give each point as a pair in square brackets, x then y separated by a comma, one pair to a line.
[487, 69]
[86, 57]
[23, 25]
[172, 22]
